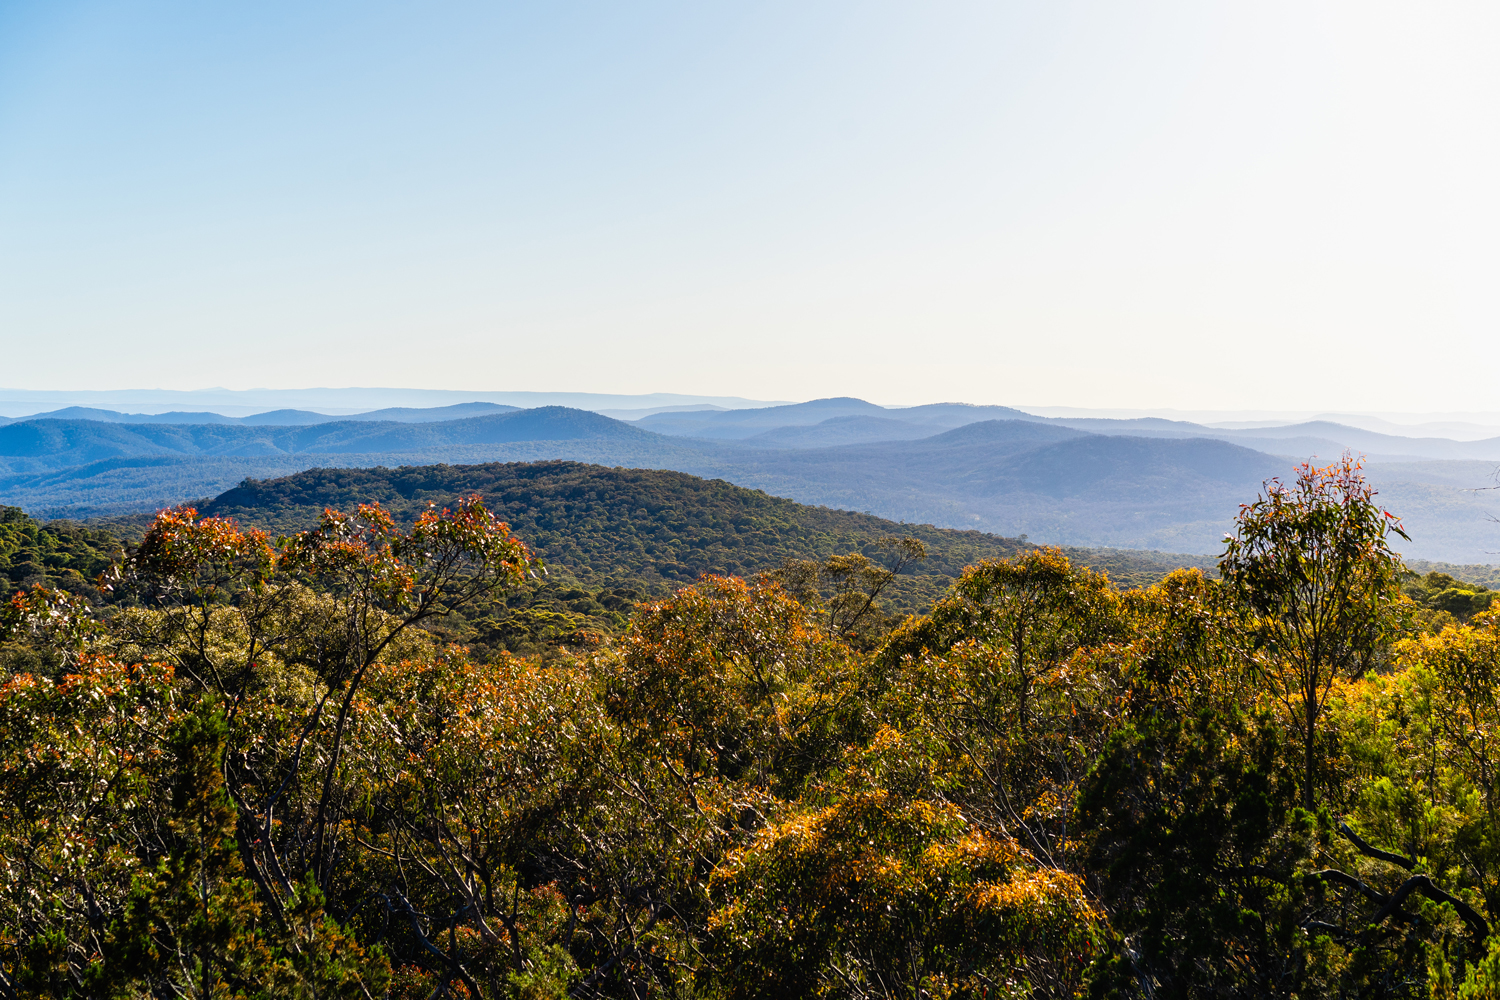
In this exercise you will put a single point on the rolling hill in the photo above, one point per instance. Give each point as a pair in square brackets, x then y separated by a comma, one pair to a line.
[1013, 477]
[657, 528]
[733, 425]
[843, 420]
[282, 417]
[60, 554]
[838, 430]
[49, 445]
[1171, 486]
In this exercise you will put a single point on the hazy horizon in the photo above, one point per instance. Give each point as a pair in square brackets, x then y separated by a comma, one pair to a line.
[1284, 207]
[353, 399]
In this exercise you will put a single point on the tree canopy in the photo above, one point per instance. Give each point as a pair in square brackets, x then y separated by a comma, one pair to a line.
[258, 766]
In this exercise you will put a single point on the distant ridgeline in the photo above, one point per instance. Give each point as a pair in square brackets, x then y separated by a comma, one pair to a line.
[598, 523]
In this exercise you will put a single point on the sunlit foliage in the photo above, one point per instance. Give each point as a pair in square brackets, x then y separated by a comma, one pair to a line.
[256, 766]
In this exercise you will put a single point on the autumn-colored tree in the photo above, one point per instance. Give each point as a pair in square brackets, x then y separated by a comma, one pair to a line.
[229, 602]
[1012, 669]
[44, 618]
[121, 872]
[1034, 610]
[875, 887]
[1418, 773]
[1313, 561]
[729, 679]
[1459, 669]
[80, 766]
[846, 588]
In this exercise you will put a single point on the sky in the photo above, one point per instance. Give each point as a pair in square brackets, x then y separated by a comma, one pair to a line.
[1211, 206]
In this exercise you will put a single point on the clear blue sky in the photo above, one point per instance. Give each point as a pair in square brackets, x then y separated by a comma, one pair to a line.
[1206, 205]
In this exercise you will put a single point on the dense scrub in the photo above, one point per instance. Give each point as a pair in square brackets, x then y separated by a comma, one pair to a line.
[261, 772]
[59, 554]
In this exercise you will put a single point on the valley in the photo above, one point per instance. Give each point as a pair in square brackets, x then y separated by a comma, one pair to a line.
[1143, 483]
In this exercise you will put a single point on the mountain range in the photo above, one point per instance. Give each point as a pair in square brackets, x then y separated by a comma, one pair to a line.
[846, 420]
[284, 417]
[1140, 483]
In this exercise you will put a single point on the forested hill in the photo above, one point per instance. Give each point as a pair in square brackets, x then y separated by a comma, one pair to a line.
[601, 524]
[59, 554]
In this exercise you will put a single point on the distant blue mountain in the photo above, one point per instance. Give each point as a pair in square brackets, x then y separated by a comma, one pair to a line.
[736, 424]
[839, 431]
[115, 417]
[1138, 483]
[284, 418]
[50, 444]
[424, 414]
[732, 425]
[287, 418]
[398, 414]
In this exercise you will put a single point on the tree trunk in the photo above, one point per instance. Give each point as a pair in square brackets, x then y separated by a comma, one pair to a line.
[1310, 710]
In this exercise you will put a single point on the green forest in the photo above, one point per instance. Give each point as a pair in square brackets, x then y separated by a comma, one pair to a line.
[57, 554]
[649, 528]
[321, 738]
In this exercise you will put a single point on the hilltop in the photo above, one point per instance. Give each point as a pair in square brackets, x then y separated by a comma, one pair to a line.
[659, 528]
[610, 537]
[613, 536]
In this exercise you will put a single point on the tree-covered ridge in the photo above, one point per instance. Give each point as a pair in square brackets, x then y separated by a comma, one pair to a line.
[614, 536]
[57, 554]
[611, 537]
[647, 526]
[1473, 573]
[602, 523]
